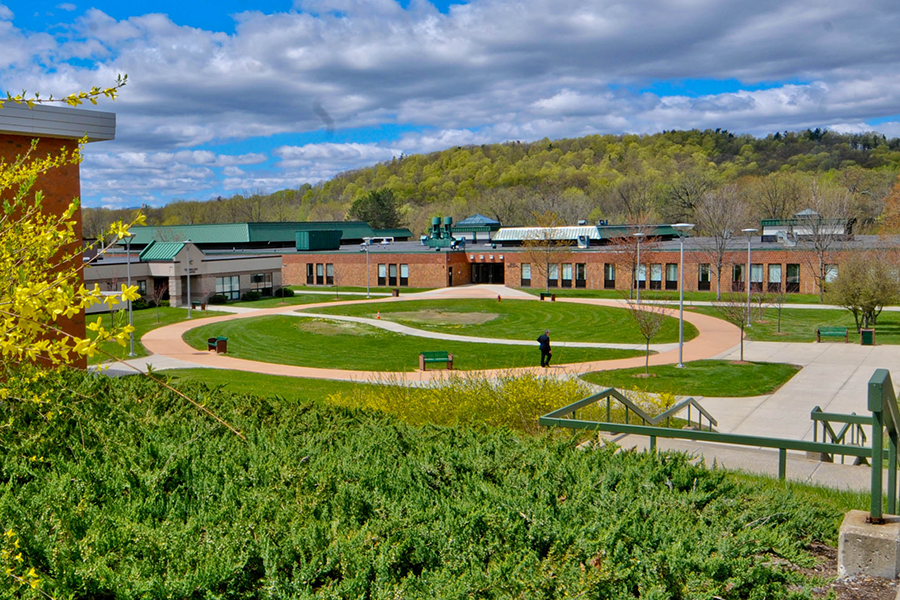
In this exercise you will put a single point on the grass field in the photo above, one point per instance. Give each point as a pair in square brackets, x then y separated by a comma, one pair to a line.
[331, 344]
[144, 321]
[298, 299]
[241, 382]
[517, 320]
[799, 325]
[717, 378]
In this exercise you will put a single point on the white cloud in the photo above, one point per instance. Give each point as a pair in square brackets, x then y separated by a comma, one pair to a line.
[66, 6]
[489, 70]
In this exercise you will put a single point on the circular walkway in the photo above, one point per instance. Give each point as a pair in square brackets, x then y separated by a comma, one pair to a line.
[171, 351]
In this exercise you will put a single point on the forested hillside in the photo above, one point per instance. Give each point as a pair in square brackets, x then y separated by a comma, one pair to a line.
[616, 177]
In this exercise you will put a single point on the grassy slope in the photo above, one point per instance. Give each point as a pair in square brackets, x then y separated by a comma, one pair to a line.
[522, 320]
[799, 325]
[144, 496]
[717, 378]
[317, 343]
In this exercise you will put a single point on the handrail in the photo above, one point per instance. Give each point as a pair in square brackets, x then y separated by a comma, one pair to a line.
[852, 423]
[632, 406]
[882, 402]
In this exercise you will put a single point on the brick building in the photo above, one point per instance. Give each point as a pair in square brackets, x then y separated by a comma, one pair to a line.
[55, 128]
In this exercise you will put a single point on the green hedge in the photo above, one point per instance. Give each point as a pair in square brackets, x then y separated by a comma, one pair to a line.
[119, 489]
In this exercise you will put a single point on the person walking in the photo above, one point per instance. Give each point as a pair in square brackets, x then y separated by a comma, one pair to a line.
[546, 354]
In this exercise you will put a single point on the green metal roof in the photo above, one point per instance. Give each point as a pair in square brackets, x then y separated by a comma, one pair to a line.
[244, 233]
[395, 232]
[615, 231]
[160, 251]
[232, 233]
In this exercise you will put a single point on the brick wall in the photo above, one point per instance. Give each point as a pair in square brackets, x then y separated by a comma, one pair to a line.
[427, 270]
[59, 186]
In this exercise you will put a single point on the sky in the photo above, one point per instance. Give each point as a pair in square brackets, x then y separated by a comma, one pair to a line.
[223, 100]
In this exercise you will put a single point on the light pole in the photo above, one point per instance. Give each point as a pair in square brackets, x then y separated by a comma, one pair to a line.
[682, 229]
[128, 275]
[749, 231]
[638, 236]
[365, 246]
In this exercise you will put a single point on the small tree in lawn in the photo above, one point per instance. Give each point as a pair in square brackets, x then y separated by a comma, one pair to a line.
[778, 300]
[733, 308]
[157, 295]
[865, 284]
[649, 319]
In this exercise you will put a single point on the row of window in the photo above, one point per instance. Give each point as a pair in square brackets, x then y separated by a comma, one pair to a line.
[230, 285]
[388, 274]
[559, 275]
[789, 275]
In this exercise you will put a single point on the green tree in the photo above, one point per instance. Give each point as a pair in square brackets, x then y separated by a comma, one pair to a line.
[865, 284]
[379, 208]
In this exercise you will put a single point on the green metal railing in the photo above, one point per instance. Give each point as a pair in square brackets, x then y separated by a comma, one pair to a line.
[853, 424]
[882, 402]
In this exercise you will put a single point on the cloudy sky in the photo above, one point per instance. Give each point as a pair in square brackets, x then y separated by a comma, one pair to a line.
[222, 100]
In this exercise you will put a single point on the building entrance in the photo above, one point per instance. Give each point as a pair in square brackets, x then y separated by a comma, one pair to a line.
[487, 273]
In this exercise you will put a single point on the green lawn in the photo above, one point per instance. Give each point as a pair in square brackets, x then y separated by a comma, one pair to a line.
[689, 296]
[299, 299]
[240, 382]
[799, 325]
[144, 321]
[718, 378]
[517, 320]
[357, 289]
[331, 344]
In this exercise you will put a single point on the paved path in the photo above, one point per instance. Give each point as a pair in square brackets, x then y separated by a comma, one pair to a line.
[715, 337]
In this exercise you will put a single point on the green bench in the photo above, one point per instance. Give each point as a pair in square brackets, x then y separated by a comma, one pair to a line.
[832, 332]
[545, 295]
[435, 357]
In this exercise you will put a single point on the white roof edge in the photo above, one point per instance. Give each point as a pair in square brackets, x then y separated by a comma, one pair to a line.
[57, 122]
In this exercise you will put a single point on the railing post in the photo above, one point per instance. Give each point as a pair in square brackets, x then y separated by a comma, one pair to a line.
[782, 463]
[876, 405]
[652, 443]
[892, 475]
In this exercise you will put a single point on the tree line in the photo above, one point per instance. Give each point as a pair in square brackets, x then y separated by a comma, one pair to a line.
[663, 177]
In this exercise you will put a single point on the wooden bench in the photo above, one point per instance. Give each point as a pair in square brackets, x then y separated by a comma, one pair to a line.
[545, 295]
[832, 332]
[433, 357]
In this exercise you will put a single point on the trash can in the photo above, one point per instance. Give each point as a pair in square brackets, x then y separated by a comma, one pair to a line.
[210, 344]
[395, 292]
[867, 337]
[221, 345]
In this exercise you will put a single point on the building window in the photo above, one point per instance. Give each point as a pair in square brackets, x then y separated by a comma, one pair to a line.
[737, 277]
[703, 277]
[329, 274]
[526, 275]
[609, 276]
[566, 275]
[404, 274]
[580, 275]
[142, 287]
[229, 286]
[756, 278]
[310, 278]
[261, 282]
[831, 273]
[671, 276]
[382, 274]
[392, 275]
[656, 277]
[553, 275]
[641, 276]
[775, 279]
[792, 281]
[320, 274]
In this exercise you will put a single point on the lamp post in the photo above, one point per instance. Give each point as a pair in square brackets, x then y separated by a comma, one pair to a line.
[365, 247]
[128, 271]
[638, 236]
[682, 229]
[749, 231]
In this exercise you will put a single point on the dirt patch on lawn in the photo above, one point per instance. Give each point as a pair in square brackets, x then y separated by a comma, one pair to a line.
[322, 327]
[442, 317]
[860, 587]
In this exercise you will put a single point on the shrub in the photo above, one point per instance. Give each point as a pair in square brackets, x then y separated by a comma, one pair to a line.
[251, 296]
[217, 299]
[164, 303]
[139, 304]
[284, 293]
